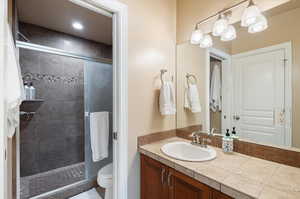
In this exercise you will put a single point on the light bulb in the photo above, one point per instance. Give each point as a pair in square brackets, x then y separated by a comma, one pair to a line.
[250, 15]
[260, 25]
[196, 36]
[229, 34]
[206, 42]
[77, 26]
[220, 26]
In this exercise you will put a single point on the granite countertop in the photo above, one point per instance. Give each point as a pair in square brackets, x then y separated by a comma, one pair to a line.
[237, 175]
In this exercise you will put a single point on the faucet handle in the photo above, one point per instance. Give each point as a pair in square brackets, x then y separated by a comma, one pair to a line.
[194, 136]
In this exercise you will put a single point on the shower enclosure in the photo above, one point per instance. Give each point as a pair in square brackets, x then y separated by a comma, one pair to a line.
[55, 148]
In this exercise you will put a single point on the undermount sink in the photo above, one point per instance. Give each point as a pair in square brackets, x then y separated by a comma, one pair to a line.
[188, 152]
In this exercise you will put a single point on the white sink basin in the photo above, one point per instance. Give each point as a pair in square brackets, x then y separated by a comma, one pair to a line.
[188, 152]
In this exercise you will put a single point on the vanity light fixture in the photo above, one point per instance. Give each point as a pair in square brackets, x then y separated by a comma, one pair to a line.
[220, 25]
[251, 18]
[229, 34]
[250, 15]
[197, 36]
[206, 42]
[259, 26]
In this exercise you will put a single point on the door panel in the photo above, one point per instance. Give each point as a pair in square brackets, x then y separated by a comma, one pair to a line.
[184, 187]
[259, 97]
[219, 195]
[185, 190]
[153, 179]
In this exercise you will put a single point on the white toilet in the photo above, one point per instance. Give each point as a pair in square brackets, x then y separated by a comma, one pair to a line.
[105, 180]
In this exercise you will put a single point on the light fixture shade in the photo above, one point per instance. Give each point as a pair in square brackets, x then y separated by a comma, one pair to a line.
[220, 26]
[196, 37]
[229, 34]
[206, 42]
[250, 16]
[260, 25]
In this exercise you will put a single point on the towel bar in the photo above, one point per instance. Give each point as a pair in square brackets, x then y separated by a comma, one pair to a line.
[188, 78]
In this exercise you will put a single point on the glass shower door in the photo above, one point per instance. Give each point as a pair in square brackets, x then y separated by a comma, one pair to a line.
[98, 97]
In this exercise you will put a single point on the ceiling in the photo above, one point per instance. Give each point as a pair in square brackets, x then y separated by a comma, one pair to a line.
[60, 14]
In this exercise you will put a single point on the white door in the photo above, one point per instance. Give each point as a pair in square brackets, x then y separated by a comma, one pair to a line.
[258, 99]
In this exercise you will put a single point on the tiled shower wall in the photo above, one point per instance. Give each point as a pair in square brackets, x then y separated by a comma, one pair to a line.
[54, 137]
[54, 39]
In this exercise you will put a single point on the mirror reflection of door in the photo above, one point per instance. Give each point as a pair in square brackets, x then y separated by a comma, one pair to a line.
[258, 102]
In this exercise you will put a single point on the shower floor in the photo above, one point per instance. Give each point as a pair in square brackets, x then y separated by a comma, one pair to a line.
[44, 182]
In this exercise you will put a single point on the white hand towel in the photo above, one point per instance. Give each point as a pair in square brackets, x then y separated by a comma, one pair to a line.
[167, 99]
[99, 130]
[191, 99]
[216, 89]
[14, 89]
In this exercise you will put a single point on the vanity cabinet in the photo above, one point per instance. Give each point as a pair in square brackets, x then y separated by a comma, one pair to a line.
[161, 182]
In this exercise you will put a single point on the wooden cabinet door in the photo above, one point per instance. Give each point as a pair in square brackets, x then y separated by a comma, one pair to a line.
[184, 187]
[153, 179]
[220, 195]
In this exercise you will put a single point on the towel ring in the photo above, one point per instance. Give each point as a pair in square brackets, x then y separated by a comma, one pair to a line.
[162, 72]
[190, 78]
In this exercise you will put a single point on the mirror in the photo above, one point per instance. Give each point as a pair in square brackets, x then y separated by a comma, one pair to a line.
[251, 83]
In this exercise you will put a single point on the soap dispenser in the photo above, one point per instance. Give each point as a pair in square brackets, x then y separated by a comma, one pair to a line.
[227, 142]
[233, 134]
[31, 91]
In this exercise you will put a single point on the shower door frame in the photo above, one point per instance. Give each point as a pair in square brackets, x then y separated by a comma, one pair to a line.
[120, 89]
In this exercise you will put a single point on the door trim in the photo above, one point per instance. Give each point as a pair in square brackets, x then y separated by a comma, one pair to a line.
[120, 64]
[288, 96]
[120, 80]
[224, 57]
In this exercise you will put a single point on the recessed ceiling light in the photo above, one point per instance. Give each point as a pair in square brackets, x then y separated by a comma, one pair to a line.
[77, 26]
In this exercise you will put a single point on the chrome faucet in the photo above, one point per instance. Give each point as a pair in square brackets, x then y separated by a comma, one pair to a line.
[212, 131]
[199, 140]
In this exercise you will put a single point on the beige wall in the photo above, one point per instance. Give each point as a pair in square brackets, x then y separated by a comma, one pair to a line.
[152, 42]
[282, 28]
[189, 12]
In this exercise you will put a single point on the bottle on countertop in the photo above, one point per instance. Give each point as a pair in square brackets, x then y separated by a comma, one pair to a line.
[27, 90]
[227, 142]
[31, 91]
[233, 134]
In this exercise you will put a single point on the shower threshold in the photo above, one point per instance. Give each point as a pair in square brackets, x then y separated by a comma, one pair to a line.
[51, 180]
